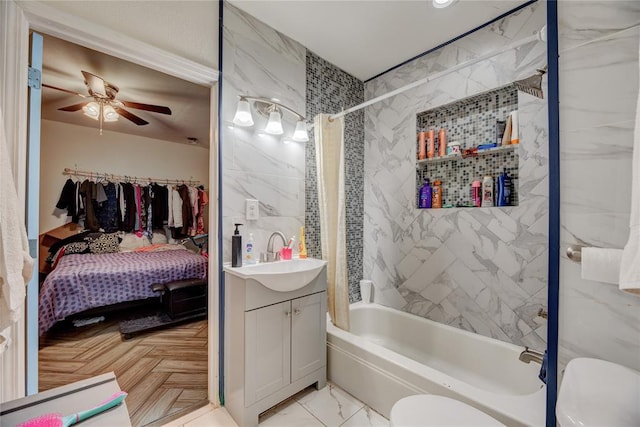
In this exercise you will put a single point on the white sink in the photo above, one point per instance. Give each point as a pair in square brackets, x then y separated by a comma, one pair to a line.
[595, 392]
[281, 276]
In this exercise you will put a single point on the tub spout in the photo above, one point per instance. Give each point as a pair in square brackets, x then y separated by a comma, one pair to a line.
[529, 355]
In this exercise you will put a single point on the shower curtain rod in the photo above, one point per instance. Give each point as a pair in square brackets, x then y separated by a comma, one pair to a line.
[538, 36]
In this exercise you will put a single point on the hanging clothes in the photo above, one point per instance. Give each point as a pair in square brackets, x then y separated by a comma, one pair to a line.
[108, 207]
[160, 203]
[68, 200]
[203, 200]
[88, 192]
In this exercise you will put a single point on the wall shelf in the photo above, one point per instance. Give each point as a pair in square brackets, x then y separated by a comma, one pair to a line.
[450, 157]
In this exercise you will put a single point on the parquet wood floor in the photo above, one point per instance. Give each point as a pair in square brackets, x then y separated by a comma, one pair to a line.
[164, 372]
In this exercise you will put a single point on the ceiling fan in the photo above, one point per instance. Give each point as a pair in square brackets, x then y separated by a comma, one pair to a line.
[104, 105]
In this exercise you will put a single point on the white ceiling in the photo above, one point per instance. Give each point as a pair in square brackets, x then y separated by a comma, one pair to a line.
[189, 102]
[367, 37]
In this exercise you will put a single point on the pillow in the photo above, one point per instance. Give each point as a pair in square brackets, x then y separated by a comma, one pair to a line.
[105, 244]
[76, 248]
[130, 242]
[159, 237]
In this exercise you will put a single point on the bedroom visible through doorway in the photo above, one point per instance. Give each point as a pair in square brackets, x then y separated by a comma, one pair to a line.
[88, 169]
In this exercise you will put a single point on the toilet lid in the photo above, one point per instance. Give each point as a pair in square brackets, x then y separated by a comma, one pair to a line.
[431, 410]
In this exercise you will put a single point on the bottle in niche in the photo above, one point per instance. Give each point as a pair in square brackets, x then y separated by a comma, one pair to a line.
[431, 144]
[442, 142]
[422, 146]
[437, 194]
[476, 193]
[504, 189]
[487, 192]
[425, 195]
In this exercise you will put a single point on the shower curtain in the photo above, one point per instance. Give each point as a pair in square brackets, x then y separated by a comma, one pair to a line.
[329, 139]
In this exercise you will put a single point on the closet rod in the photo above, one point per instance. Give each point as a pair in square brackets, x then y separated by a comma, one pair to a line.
[98, 175]
[538, 36]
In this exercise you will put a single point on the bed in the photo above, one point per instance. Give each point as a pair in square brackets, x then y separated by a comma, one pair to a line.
[80, 282]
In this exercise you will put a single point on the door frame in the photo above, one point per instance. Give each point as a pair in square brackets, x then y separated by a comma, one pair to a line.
[16, 20]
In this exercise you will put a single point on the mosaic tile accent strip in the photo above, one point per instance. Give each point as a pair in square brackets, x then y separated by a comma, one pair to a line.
[329, 90]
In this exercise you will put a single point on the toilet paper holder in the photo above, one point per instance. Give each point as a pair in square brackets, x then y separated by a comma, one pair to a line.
[574, 253]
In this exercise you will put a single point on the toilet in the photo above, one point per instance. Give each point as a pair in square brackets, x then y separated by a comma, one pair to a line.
[438, 411]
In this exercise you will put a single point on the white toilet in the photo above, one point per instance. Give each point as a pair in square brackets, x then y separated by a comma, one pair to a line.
[425, 410]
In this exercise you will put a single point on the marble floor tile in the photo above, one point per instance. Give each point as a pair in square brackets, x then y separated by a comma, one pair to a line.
[331, 405]
[366, 417]
[289, 414]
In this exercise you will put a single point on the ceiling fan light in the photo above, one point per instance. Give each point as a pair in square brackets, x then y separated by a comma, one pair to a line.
[274, 126]
[300, 134]
[109, 114]
[243, 114]
[92, 109]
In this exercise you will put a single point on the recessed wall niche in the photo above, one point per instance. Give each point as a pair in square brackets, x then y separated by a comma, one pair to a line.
[471, 122]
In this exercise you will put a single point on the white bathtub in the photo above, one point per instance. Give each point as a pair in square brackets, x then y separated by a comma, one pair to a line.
[390, 354]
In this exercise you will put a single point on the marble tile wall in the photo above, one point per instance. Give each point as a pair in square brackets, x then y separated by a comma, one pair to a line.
[259, 61]
[483, 270]
[598, 93]
[329, 90]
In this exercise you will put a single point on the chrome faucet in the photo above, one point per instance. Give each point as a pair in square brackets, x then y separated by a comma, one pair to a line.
[529, 355]
[272, 255]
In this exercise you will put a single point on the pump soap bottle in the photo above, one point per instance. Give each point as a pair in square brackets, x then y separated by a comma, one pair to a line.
[236, 248]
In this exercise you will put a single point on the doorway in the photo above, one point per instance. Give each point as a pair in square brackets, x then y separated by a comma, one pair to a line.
[17, 21]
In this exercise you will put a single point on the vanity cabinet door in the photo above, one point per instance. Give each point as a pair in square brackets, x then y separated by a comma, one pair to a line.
[268, 349]
[308, 334]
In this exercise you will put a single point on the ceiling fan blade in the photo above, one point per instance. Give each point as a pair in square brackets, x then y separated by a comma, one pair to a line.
[148, 107]
[94, 83]
[127, 115]
[74, 107]
[64, 90]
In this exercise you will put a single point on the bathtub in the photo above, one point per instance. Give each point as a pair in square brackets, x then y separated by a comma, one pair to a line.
[390, 354]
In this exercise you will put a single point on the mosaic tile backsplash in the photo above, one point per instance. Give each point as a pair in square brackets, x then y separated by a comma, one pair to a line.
[329, 90]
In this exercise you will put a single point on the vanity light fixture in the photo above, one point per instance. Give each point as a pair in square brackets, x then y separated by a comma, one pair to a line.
[440, 4]
[272, 109]
[274, 126]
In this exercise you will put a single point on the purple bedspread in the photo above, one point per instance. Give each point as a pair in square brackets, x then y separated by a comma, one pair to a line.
[81, 282]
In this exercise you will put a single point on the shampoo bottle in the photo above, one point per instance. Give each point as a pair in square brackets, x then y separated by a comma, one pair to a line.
[431, 143]
[437, 194]
[302, 248]
[422, 146]
[250, 256]
[442, 142]
[487, 191]
[425, 195]
[236, 248]
[504, 189]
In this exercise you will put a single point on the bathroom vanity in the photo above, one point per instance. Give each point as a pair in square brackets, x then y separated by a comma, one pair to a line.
[275, 340]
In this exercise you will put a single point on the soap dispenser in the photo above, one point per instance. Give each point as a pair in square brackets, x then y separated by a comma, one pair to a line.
[236, 248]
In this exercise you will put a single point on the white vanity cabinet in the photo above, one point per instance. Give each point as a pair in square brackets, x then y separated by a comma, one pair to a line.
[275, 344]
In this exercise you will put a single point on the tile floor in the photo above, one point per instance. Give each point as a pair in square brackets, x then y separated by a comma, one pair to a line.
[329, 407]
